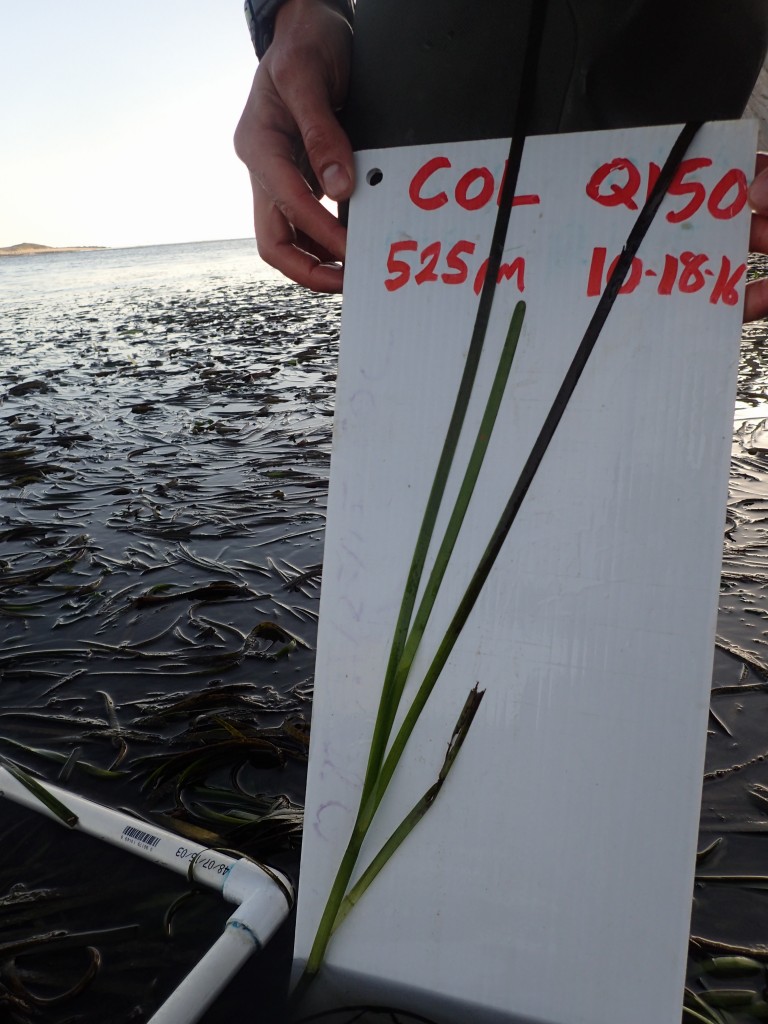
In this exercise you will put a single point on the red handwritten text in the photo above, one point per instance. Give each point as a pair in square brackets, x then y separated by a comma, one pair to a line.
[407, 262]
[686, 274]
[472, 190]
[620, 182]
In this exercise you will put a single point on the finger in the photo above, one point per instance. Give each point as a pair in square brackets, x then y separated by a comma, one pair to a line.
[311, 96]
[300, 207]
[758, 233]
[327, 146]
[300, 259]
[309, 245]
[756, 300]
[279, 178]
[265, 141]
[758, 190]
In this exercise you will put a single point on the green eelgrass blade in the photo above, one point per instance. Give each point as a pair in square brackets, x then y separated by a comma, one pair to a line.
[405, 641]
[417, 812]
[394, 679]
[389, 698]
[459, 511]
[523, 111]
[339, 902]
[688, 1012]
[452, 633]
[54, 805]
[64, 759]
[700, 1010]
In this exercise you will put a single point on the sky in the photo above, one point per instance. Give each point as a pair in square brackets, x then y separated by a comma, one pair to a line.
[116, 121]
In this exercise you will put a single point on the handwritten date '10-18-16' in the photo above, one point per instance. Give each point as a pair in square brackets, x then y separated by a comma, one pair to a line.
[686, 274]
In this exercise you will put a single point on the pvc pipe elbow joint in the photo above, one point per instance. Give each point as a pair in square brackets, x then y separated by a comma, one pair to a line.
[264, 899]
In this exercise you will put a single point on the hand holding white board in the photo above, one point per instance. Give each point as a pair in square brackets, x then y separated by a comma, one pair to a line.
[565, 835]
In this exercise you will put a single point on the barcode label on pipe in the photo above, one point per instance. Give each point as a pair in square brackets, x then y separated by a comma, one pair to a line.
[135, 835]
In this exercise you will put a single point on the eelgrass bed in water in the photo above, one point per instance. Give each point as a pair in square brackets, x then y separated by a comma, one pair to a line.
[163, 469]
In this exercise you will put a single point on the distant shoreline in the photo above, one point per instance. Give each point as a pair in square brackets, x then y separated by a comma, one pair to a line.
[32, 249]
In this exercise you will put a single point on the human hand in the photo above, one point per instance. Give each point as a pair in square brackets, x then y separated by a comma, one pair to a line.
[756, 295]
[290, 140]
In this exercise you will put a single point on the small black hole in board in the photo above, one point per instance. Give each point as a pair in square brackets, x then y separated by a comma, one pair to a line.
[374, 176]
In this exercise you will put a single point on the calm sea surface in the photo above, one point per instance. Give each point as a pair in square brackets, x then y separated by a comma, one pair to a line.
[165, 428]
[189, 266]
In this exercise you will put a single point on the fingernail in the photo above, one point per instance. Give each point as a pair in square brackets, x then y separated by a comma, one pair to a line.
[335, 182]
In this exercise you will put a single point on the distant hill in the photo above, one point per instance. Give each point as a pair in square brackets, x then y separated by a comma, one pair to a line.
[33, 249]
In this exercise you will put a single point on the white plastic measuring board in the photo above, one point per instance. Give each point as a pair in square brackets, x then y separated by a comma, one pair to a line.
[551, 880]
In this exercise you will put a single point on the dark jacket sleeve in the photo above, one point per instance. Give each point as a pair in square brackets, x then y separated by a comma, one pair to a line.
[448, 70]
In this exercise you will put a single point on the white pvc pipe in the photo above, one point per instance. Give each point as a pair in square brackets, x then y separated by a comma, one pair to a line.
[156, 844]
[264, 896]
[194, 995]
[223, 960]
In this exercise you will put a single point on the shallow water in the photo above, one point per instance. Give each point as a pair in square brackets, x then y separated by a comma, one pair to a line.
[166, 420]
[165, 427]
